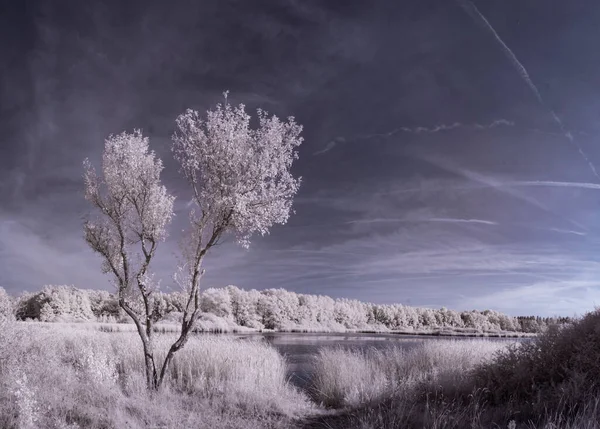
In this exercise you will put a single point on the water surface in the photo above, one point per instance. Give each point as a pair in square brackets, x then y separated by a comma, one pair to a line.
[299, 348]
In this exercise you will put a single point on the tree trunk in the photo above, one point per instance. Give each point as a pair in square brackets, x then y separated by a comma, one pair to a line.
[172, 350]
[148, 346]
[151, 376]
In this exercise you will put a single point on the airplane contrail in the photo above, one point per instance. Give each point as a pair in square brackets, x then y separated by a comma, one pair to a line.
[477, 16]
[417, 130]
[479, 180]
[568, 231]
[441, 127]
[435, 219]
[550, 183]
[455, 220]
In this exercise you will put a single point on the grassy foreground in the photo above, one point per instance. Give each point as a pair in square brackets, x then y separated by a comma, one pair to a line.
[61, 377]
[68, 379]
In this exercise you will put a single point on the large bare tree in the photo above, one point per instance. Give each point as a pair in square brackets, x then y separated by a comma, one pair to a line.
[241, 184]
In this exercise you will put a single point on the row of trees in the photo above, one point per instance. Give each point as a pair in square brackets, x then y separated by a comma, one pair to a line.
[276, 309]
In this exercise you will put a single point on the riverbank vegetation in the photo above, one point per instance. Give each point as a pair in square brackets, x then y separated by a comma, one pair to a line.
[57, 378]
[70, 376]
[233, 309]
[550, 382]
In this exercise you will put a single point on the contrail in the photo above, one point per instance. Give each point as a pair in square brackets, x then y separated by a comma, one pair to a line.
[453, 220]
[549, 183]
[567, 231]
[330, 145]
[477, 16]
[435, 219]
[379, 220]
[489, 182]
[417, 130]
[460, 220]
[492, 183]
[441, 127]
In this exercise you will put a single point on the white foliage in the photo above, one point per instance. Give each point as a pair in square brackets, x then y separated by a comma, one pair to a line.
[217, 302]
[99, 365]
[46, 313]
[6, 307]
[240, 176]
[26, 402]
[136, 208]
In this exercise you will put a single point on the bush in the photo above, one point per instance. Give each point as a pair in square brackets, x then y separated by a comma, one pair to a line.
[560, 368]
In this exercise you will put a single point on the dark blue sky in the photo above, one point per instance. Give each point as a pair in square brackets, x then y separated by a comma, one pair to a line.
[433, 176]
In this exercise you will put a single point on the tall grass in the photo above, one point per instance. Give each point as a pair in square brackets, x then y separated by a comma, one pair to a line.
[70, 378]
[364, 377]
[551, 382]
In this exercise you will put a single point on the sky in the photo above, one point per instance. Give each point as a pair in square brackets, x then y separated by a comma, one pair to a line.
[449, 157]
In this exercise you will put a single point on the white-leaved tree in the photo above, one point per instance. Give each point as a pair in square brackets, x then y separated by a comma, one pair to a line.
[134, 211]
[241, 185]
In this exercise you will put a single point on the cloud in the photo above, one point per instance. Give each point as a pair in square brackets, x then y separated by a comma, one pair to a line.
[451, 220]
[567, 231]
[403, 220]
[415, 130]
[503, 186]
[552, 184]
[566, 297]
[330, 145]
[45, 258]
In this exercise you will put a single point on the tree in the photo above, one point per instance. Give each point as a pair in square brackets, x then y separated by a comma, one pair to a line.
[241, 184]
[216, 301]
[135, 210]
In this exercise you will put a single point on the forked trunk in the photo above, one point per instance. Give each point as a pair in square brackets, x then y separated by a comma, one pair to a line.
[145, 334]
[151, 375]
[177, 345]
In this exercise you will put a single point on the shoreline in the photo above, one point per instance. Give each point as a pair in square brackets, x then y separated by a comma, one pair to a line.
[166, 328]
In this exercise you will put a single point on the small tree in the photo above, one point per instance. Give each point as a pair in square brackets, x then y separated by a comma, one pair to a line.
[241, 184]
[135, 210]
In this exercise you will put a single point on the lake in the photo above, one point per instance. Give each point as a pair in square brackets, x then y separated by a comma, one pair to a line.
[299, 348]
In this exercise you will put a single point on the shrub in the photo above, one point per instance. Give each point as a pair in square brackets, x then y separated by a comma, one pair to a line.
[560, 368]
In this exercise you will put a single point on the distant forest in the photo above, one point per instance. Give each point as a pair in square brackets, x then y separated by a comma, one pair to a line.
[231, 308]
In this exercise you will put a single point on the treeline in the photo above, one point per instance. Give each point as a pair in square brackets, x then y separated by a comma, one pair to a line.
[276, 309]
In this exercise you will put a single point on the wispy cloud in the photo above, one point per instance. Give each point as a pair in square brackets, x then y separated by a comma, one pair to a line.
[441, 127]
[555, 184]
[415, 130]
[438, 219]
[560, 297]
[504, 186]
[567, 231]
[330, 145]
[453, 220]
